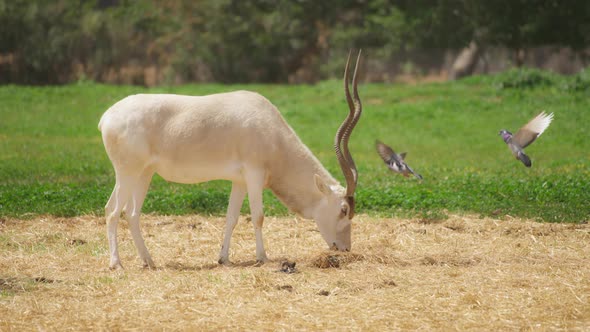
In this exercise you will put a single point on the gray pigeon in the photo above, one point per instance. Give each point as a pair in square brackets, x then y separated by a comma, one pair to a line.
[395, 161]
[525, 136]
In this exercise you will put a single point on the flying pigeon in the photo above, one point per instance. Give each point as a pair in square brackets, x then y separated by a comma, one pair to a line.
[525, 136]
[395, 161]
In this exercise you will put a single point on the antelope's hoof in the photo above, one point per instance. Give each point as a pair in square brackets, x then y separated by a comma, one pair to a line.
[261, 261]
[149, 266]
[116, 266]
[148, 263]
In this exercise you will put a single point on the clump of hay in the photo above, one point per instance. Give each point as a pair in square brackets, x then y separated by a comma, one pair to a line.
[333, 259]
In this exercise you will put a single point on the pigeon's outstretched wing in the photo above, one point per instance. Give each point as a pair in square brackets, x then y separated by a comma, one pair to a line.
[529, 132]
[385, 152]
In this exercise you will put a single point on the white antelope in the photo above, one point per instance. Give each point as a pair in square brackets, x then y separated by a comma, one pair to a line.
[237, 136]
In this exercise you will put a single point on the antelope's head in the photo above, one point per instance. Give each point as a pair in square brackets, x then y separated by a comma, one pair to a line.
[334, 215]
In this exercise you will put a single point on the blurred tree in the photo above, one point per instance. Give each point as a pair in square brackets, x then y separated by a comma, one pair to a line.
[41, 36]
[50, 41]
[475, 25]
[261, 40]
[59, 41]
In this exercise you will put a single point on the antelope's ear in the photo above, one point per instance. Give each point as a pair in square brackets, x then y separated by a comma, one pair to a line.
[403, 155]
[322, 187]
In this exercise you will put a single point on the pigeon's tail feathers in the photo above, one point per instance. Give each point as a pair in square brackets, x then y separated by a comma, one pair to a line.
[418, 176]
[524, 158]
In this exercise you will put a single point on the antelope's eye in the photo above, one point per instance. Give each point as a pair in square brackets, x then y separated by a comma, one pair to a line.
[344, 210]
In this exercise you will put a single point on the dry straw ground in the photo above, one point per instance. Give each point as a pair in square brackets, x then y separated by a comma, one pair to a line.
[463, 273]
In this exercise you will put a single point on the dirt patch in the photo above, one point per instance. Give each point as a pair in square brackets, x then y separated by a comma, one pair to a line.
[462, 273]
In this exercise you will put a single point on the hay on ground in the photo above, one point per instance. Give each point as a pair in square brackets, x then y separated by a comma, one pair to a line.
[459, 274]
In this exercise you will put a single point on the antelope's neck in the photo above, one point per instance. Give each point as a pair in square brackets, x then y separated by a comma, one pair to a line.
[292, 181]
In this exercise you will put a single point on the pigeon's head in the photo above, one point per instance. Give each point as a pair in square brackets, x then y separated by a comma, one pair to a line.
[506, 135]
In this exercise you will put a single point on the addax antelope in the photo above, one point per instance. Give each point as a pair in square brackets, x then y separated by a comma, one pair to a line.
[237, 136]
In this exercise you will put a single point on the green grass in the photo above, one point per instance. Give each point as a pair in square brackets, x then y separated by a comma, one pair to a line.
[52, 160]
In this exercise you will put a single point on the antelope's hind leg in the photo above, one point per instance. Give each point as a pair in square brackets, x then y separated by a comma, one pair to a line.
[113, 211]
[128, 194]
[133, 211]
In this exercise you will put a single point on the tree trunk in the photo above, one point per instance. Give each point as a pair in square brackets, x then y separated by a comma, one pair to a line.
[465, 63]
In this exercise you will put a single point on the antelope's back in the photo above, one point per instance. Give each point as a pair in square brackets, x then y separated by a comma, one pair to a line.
[177, 133]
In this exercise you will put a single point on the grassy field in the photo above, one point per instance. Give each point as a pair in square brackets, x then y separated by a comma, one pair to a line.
[52, 161]
[462, 250]
[460, 274]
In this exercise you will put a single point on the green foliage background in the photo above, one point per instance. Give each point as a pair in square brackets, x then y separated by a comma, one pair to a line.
[52, 160]
[61, 41]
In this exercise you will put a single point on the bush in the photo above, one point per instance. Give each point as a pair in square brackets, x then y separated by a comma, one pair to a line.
[579, 82]
[525, 78]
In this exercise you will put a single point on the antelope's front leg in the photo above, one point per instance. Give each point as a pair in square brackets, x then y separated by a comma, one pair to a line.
[255, 183]
[236, 198]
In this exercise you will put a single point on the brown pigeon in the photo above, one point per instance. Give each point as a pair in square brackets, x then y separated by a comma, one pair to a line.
[525, 136]
[395, 161]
